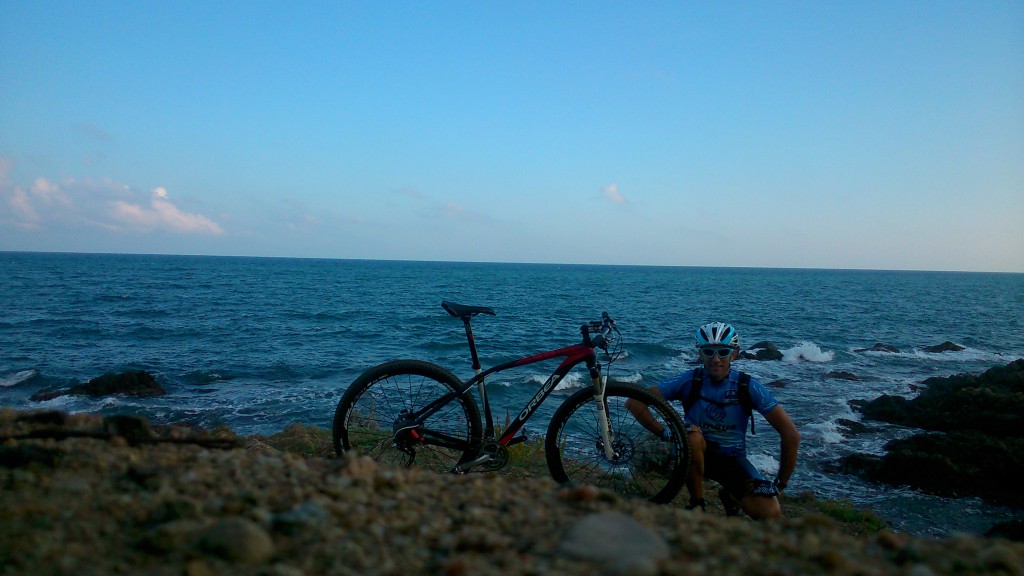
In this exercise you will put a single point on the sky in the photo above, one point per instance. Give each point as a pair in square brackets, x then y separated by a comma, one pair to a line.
[860, 134]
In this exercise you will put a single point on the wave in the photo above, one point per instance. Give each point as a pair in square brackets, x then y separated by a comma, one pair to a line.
[202, 377]
[630, 378]
[572, 381]
[825, 432]
[9, 380]
[966, 354]
[765, 463]
[807, 351]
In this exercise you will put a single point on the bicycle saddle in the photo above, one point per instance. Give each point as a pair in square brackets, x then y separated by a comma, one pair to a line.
[464, 311]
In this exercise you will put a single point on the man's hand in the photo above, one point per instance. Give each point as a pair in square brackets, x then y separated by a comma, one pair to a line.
[779, 485]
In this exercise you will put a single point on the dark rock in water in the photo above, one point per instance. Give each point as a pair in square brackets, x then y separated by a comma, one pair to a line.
[780, 383]
[137, 383]
[863, 465]
[852, 426]
[981, 454]
[47, 394]
[992, 403]
[956, 464]
[880, 348]
[840, 375]
[946, 346]
[886, 408]
[764, 351]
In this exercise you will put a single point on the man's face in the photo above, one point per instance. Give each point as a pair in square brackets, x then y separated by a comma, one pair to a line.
[717, 360]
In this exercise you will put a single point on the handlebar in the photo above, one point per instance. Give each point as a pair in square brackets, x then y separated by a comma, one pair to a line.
[603, 332]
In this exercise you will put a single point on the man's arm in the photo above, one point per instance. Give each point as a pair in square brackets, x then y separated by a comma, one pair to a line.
[790, 437]
[643, 415]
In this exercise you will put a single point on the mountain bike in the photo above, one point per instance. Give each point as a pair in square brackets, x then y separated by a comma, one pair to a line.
[412, 412]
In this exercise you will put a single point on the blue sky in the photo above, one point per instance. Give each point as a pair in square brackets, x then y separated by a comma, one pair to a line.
[778, 134]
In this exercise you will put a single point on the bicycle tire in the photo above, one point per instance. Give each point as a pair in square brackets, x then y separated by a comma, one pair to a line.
[644, 467]
[367, 419]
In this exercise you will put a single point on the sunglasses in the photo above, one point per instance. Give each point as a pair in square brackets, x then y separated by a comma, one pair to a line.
[709, 352]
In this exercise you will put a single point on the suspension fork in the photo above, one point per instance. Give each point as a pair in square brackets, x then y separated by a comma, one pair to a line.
[603, 425]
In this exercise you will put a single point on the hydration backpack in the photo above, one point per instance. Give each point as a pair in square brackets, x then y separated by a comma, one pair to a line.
[742, 394]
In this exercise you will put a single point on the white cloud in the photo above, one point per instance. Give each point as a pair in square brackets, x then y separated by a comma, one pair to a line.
[611, 193]
[104, 204]
[25, 215]
[162, 215]
[451, 210]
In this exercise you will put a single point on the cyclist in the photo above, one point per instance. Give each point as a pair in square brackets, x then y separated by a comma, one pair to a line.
[717, 421]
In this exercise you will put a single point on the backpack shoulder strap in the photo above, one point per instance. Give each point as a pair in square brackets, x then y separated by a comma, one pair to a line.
[695, 387]
[743, 395]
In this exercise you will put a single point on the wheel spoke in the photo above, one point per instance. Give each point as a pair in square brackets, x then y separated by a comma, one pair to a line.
[641, 465]
[375, 417]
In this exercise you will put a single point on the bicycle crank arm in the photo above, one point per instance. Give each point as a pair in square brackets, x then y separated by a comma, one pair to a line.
[463, 468]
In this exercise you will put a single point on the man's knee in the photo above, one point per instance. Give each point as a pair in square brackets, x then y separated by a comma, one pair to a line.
[697, 443]
[761, 507]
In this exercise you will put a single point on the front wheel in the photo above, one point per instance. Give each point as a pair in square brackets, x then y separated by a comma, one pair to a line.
[642, 465]
[376, 417]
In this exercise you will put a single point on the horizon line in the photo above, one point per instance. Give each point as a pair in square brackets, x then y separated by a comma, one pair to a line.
[499, 262]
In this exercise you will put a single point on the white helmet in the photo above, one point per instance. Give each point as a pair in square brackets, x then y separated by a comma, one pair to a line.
[717, 334]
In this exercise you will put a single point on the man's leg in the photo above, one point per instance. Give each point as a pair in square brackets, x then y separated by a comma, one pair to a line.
[743, 483]
[695, 479]
[761, 501]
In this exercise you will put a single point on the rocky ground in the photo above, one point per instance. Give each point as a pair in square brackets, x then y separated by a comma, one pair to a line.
[83, 495]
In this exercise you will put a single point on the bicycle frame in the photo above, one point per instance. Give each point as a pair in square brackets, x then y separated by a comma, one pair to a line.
[573, 356]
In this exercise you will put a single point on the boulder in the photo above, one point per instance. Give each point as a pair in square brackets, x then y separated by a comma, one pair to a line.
[954, 464]
[137, 383]
[976, 441]
[992, 403]
[852, 426]
[878, 347]
[840, 375]
[946, 346]
[761, 351]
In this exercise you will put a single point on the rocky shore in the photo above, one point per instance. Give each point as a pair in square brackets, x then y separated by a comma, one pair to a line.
[971, 441]
[87, 495]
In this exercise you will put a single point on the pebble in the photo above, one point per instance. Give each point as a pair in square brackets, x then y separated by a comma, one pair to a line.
[237, 540]
[616, 541]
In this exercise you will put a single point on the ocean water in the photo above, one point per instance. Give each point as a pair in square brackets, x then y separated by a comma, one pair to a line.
[259, 343]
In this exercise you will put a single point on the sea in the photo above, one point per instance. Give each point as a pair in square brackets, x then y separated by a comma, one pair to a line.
[259, 343]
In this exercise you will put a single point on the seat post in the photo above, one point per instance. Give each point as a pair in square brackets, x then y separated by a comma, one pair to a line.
[472, 343]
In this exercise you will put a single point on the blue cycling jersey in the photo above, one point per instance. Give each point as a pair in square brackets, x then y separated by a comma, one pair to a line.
[718, 412]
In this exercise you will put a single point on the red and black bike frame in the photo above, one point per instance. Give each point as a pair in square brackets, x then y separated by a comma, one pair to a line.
[573, 355]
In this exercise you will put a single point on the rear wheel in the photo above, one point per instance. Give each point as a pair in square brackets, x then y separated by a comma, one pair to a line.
[642, 465]
[375, 417]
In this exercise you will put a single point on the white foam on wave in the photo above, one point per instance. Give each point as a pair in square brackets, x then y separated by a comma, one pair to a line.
[827, 432]
[633, 378]
[765, 463]
[16, 378]
[571, 381]
[60, 402]
[807, 351]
